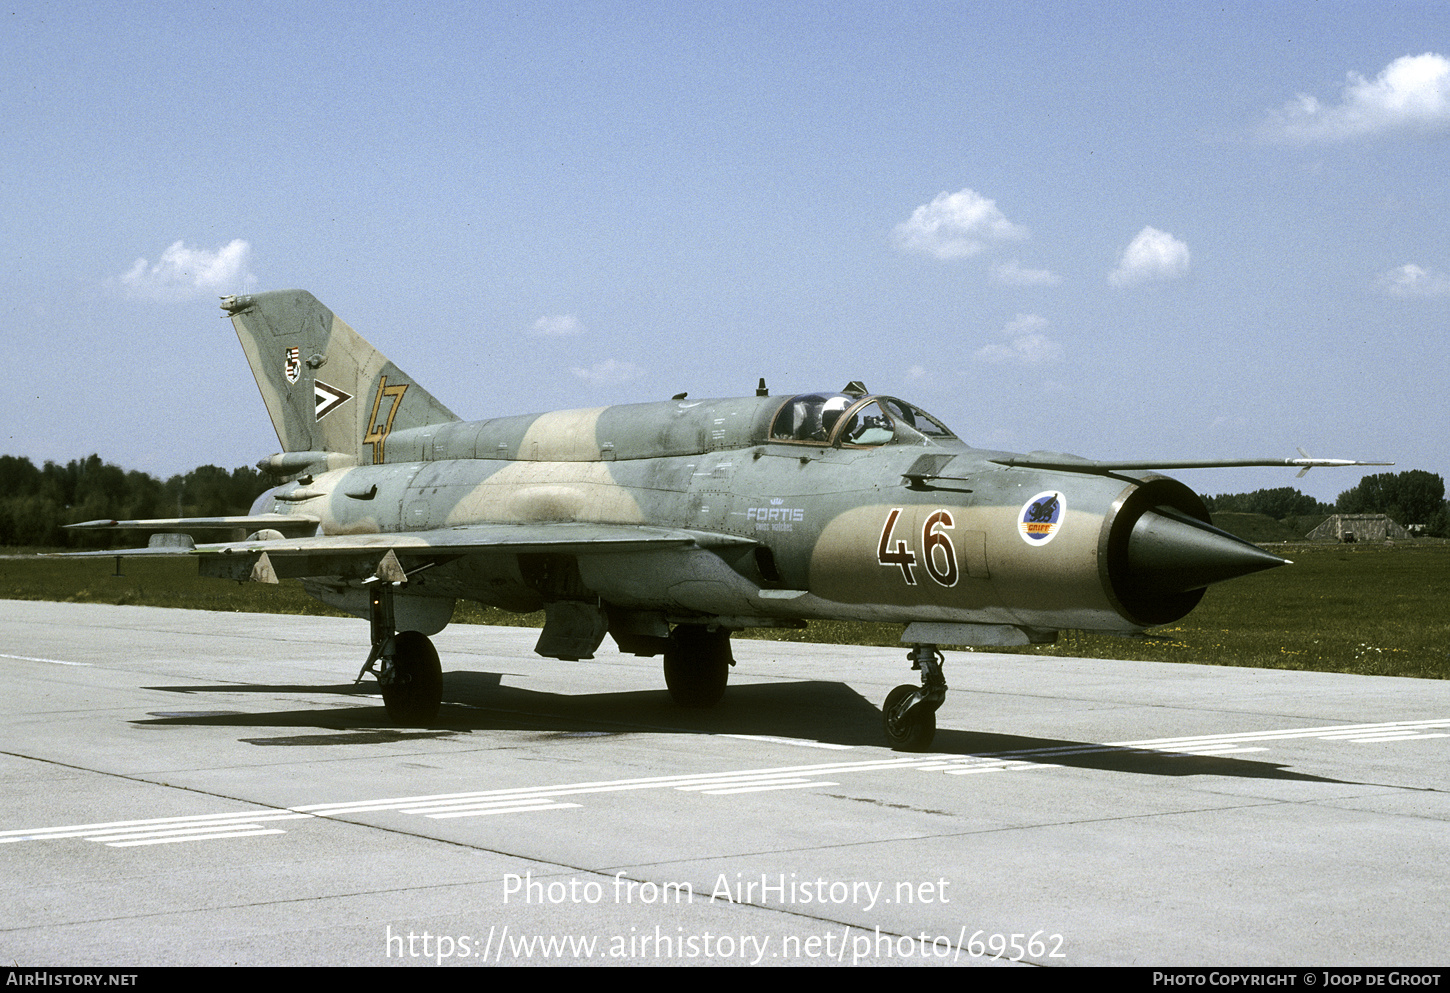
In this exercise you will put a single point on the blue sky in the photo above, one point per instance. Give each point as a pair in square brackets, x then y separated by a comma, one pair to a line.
[1118, 230]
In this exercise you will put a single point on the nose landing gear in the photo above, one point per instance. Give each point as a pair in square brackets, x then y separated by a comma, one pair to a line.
[909, 713]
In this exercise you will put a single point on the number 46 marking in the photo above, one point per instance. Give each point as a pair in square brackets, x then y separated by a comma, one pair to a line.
[939, 556]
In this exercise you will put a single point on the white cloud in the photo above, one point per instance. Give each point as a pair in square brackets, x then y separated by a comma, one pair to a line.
[1411, 94]
[955, 226]
[1152, 255]
[183, 273]
[1025, 343]
[1015, 274]
[558, 325]
[608, 372]
[921, 377]
[1410, 280]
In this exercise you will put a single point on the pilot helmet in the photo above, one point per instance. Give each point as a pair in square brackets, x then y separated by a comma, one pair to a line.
[831, 412]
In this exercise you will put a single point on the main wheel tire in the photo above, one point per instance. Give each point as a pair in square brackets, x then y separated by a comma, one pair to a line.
[413, 696]
[697, 665]
[912, 733]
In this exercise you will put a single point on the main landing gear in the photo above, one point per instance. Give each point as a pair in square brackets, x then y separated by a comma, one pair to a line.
[697, 665]
[411, 678]
[909, 713]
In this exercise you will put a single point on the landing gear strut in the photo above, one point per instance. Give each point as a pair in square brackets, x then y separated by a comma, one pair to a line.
[697, 665]
[909, 713]
[411, 678]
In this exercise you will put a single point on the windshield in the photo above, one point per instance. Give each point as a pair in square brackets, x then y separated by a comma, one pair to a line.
[917, 418]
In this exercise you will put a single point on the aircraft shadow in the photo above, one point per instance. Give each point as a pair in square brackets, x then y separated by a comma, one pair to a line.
[828, 712]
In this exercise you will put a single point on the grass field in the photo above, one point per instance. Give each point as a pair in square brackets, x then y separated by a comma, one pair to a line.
[1381, 610]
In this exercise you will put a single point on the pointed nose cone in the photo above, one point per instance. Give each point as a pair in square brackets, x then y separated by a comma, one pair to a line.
[1170, 552]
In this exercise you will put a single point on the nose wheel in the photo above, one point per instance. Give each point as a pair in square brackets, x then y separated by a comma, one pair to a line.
[909, 713]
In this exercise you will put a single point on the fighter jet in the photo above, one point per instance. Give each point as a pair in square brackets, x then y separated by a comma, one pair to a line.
[670, 525]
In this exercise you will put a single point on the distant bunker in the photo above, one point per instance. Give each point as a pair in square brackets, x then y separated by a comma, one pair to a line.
[1348, 528]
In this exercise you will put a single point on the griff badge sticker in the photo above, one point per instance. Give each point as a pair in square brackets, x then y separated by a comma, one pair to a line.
[1040, 517]
[293, 365]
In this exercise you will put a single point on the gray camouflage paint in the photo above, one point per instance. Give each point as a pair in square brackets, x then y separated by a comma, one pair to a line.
[728, 525]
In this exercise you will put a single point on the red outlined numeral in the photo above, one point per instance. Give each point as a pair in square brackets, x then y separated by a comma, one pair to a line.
[934, 539]
[902, 555]
[938, 554]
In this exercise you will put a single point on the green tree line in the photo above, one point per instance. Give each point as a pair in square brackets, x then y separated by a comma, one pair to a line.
[1279, 503]
[37, 503]
[1410, 498]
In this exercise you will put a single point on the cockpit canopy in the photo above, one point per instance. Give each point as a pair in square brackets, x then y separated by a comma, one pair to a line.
[853, 421]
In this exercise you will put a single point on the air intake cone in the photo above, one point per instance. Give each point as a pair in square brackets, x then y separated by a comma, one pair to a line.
[1170, 552]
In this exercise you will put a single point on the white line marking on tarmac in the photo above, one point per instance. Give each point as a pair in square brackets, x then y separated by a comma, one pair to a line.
[1336, 731]
[800, 742]
[754, 783]
[484, 811]
[1364, 739]
[172, 828]
[208, 827]
[31, 658]
[773, 786]
[193, 837]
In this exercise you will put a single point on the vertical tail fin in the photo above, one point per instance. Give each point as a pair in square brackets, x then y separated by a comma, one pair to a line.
[326, 389]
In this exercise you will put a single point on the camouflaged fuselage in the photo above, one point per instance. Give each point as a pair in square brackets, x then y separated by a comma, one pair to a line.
[917, 528]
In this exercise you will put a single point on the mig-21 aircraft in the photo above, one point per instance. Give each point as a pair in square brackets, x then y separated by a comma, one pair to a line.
[670, 525]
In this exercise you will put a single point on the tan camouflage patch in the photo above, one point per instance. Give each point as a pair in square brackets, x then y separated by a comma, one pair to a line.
[543, 491]
[563, 436]
[958, 563]
[856, 560]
